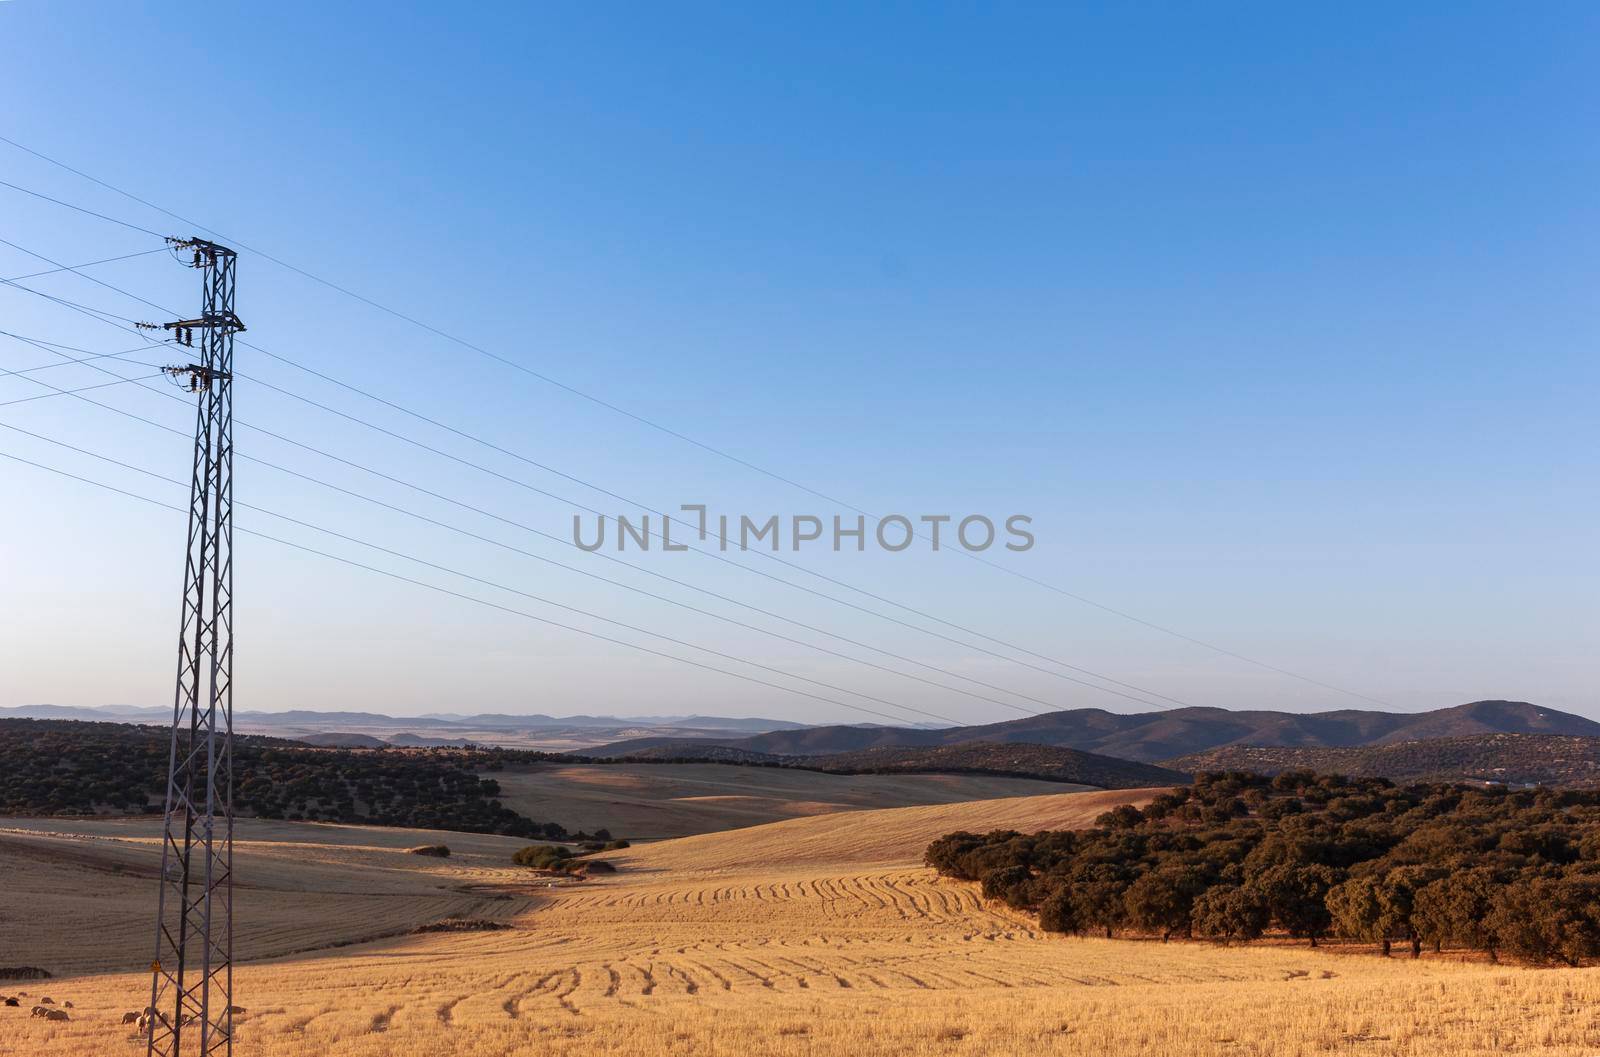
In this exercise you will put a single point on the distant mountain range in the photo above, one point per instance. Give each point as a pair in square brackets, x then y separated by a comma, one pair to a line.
[1155, 736]
[1502, 741]
[373, 729]
[335, 720]
[1186, 739]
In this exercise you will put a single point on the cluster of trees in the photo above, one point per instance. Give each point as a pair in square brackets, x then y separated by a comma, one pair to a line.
[555, 858]
[1236, 855]
[62, 767]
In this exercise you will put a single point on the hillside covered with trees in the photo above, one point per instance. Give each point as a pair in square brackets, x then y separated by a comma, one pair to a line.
[1512, 759]
[53, 767]
[1237, 855]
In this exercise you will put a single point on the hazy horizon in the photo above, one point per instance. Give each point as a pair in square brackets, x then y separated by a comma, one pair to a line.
[559, 713]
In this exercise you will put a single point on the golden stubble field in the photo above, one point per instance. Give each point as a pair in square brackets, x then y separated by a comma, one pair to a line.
[814, 936]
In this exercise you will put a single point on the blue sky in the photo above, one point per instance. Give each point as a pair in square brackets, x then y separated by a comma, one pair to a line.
[1279, 323]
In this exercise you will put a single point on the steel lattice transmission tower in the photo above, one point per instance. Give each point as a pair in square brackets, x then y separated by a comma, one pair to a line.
[191, 988]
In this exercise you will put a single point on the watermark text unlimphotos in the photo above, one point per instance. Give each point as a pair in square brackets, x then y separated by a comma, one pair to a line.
[893, 533]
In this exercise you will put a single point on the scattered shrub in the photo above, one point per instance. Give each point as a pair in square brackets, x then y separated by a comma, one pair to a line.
[542, 856]
[461, 925]
[560, 860]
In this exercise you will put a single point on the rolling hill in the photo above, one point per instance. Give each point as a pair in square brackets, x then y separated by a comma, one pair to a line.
[652, 801]
[335, 739]
[856, 839]
[1515, 759]
[1022, 759]
[1052, 763]
[1149, 737]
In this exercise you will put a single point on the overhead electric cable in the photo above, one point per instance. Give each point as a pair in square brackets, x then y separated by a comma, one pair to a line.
[582, 572]
[722, 453]
[473, 598]
[74, 392]
[705, 552]
[551, 561]
[80, 209]
[121, 356]
[125, 322]
[1122, 614]
[86, 264]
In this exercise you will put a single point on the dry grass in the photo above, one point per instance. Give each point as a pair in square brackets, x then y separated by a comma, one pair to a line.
[801, 938]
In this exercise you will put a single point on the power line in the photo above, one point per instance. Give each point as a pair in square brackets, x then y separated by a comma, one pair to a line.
[699, 550]
[71, 392]
[649, 509]
[486, 539]
[572, 502]
[50, 346]
[706, 552]
[1122, 614]
[121, 356]
[125, 322]
[86, 264]
[582, 572]
[529, 554]
[466, 597]
[80, 209]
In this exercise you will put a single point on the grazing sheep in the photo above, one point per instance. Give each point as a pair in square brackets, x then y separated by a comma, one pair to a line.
[12, 1002]
[56, 1014]
[236, 1009]
[68, 1003]
[130, 1017]
[47, 1001]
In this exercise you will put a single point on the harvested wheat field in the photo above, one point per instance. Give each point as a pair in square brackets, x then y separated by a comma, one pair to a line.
[814, 936]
